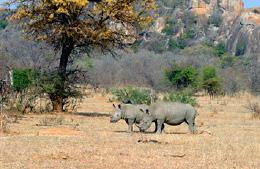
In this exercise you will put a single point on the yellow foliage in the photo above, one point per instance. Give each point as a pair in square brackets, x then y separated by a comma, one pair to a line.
[104, 23]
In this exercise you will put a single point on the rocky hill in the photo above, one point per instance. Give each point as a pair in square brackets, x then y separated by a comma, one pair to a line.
[217, 21]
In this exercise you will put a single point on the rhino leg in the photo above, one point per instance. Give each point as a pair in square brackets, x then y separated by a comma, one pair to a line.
[192, 126]
[130, 123]
[155, 123]
[159, 126]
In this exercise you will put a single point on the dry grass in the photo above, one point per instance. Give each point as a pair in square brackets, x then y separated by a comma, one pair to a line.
[50, 120]
[254, 108]
[229, 138]
[4, 128]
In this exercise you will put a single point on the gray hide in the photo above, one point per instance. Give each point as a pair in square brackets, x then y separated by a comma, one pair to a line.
[169, 113]
[128, 112]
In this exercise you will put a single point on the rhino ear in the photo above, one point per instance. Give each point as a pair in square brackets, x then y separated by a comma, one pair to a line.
[119, 106]
[145, 111]
[141, 110]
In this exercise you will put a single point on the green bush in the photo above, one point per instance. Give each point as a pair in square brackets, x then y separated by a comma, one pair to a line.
[177, 44]
[182, 43]
[168, 30]
[171, 28]
[211, 82]
[47, 83]
[22, 79]
[213, 86]
[181, 97]
[137, 96]
[182, 77]
[219, 50]
[209, 72]
[173, 44]
[3, 24]
[189, 33]
[52, 84]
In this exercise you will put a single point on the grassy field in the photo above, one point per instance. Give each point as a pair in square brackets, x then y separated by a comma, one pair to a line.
[228, 137]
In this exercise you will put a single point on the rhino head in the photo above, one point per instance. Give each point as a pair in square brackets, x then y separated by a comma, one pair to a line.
[117, 114]
[147, 120]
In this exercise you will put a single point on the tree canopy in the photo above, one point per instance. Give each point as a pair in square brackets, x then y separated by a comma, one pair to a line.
[105, 24]
[83, 25]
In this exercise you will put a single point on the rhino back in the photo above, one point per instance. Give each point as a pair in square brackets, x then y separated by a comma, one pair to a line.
[133, 112]
[168, 110]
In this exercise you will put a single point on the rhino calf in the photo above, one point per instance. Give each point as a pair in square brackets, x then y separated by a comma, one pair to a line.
[169, 113]
[128, 112]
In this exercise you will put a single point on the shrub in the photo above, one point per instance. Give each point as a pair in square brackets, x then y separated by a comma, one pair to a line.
[22, 79]
[219, 50]
[211, 82]
[144, 68]
[3, 24]
[182, 43]
[209, 72]
[177, 44]
[256, 11]
[182, 77]
[137, 96]
[173, 44]
[171, 28]
[189, 33]
[213, 86]
[51, 121]
[254, 108]
[231, 87]
[47, 81]
[181, 97]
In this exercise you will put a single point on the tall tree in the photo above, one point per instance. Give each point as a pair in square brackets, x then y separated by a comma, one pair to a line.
[81, 24]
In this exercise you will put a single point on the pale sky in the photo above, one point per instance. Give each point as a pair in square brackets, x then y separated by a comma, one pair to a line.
[248, 3]
[252, 3]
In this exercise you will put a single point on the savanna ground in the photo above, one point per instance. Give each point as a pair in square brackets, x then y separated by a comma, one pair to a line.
[227, 137]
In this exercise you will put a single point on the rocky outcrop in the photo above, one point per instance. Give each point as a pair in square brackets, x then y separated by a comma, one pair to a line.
[41, 104]
[245, 34]
[70, 105]
[240, 27]
[205, 7]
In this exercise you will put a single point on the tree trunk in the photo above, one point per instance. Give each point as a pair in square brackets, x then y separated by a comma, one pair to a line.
[58, 97]
[57, 103]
